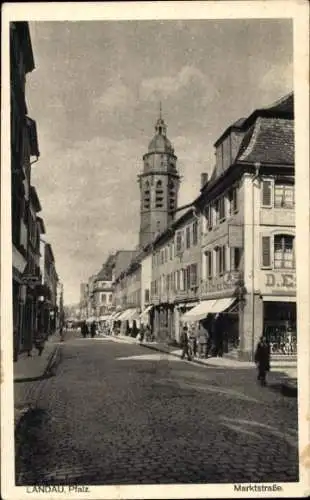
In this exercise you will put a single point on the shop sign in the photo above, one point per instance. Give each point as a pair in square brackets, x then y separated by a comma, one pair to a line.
[226, 282]
[278, 281]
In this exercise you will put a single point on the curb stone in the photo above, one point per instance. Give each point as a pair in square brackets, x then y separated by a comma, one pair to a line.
[53, 361]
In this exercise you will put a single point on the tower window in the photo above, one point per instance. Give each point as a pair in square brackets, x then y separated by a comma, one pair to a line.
[159, 195]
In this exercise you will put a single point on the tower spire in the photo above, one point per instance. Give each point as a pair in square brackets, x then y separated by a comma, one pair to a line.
[160, 117]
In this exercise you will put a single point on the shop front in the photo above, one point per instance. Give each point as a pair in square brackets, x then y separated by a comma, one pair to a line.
[220, 317]
[279, 325]
[279, 314]
[181, 309]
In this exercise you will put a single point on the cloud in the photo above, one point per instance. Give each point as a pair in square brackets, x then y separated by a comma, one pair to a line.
[277, 79]
[168, 86]
[117, 96]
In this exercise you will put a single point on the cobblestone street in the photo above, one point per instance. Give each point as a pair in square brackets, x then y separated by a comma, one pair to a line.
[117, 413]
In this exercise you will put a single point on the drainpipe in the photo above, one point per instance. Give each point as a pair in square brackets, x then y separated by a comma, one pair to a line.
[254, 178]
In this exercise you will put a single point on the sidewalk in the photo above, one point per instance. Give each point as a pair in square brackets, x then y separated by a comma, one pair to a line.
[282, 373]
[31, 369]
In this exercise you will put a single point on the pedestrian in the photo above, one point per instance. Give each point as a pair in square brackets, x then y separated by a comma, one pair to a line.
[262, 359]
[39, 341]
[193, 342]
[148, 333]
[61, 334]
[84, 329]
[202, 340]
[93, 329]
[184, 343]
[142, 332]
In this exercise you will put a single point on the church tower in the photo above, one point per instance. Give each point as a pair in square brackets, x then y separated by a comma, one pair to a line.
[159, 185]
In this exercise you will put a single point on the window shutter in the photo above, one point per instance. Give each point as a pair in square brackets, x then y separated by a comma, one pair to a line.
[266, 193]
[266, 257]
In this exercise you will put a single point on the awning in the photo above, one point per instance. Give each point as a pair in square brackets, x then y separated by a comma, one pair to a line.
[222, 304]
[146, 311]
[206, 307]
[279, 298]
[129, 314]
[200, 311]
[133, 315]
[116, 314]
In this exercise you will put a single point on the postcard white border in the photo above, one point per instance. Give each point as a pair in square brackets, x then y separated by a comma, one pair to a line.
[298, 11]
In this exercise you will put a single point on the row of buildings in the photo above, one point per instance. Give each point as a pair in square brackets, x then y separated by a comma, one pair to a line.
[227, 258]
[36, 289]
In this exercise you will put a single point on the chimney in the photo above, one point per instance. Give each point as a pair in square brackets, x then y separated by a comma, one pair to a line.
[203, 179]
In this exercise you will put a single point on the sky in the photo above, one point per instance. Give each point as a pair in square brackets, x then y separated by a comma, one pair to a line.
[95, 95]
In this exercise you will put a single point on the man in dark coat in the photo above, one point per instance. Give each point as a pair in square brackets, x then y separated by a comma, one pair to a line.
[84, 329]
[262, 359]
[184, 343]
[93, 329]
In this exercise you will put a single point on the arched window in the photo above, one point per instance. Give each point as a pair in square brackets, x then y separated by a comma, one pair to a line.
[159, 195]
[146, 199]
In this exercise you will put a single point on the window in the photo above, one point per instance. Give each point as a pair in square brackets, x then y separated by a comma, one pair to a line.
[209, 264]
[159, 195]
[177, 280]
[284, 252]
[187, 277]
[209, 217]
[193, 276]
[195, 233]
[188, 237]
[171, 195]
[182, 279]
[221, 208]
[170, 251]
[216, 208]
[266, 256]
[284, 195]
[162, 256]
[266, 193]
[110, 298]
[179, 242]
[103, 298]
[220, 260]
[147, 195]
[235, 258]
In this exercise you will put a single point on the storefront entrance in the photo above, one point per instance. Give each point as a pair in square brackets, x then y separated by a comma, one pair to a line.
[280, 327]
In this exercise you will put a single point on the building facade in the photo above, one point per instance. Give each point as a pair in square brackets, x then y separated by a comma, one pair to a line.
[248, 231]
[176, 269]
[24, 152]
[48, 310]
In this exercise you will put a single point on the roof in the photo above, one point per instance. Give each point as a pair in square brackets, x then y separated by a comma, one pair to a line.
[104, 274]
[283, 107]
[270, 140]
[160, 142]
[41, 225]
[35, 199]
[122, 260]
[237, 125]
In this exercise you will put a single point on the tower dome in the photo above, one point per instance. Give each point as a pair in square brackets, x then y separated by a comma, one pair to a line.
[160, 142]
